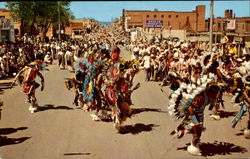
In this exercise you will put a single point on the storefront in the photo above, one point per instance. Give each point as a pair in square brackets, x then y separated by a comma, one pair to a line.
[7, 31]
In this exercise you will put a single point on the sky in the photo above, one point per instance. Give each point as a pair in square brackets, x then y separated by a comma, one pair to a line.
[108, 10]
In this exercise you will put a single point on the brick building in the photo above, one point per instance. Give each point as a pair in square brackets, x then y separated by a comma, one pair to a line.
[230, 23]
[193, 24]
[191, 21]
[5, 13]
[77, 26]
[236, 28]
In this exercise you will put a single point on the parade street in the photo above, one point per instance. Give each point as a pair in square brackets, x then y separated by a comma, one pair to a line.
[61, 131]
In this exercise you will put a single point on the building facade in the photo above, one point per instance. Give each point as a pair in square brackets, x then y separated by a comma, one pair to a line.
[5, 13]
[191, 21]
[230, 23]
[236, 28]
[77, 26]
[193, 24]
[7, 30]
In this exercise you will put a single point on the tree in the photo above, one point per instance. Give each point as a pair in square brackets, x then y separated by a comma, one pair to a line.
[20, 11]
[36, 16]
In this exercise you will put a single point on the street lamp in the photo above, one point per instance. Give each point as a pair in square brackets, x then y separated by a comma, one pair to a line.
[211, 26]
[59, 22]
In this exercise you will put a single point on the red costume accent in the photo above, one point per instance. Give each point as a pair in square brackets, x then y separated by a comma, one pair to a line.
[111, 95]
[114, 56]
[29, 80]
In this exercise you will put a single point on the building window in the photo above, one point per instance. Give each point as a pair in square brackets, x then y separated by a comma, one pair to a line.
[155, 16]
[162, 16]
[15, 20]
[218, 27]
[169, 16]
[16, 31]
[177, 16]
[147, 16]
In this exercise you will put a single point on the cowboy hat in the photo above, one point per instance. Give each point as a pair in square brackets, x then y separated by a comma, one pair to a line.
[176, 56]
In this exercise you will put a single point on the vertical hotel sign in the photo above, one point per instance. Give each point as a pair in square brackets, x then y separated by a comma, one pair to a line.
[154, 23]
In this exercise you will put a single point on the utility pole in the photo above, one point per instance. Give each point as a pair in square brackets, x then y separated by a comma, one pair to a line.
[211, 26]
[59, 22]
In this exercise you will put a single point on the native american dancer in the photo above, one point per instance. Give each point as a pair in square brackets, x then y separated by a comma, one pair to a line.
[223, 73]
[76, 82]
[210, 65]
[237, 83]
[119, 80]
[188, 101]
[26, 77]
[98, 85]
[101, 66]
[233, 75]
[106, 85]
[116, 96]
[83, 84]
[240, 90]
[132, 68]
[91, 93]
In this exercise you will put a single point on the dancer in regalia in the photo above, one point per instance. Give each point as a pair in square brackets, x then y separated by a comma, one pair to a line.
[188, 101]
[26, 77]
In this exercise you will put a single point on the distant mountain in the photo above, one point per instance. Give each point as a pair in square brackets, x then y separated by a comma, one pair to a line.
[105, 23]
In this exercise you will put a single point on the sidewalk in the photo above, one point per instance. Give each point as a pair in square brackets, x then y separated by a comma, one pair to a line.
[4, 84]
[6, 80]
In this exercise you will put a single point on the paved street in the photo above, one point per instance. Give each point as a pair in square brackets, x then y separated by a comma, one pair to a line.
[59, 131]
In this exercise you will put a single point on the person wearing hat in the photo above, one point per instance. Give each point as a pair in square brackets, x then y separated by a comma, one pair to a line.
[69, 59]
[153, 66]
[175, 65]
[232, 49]
[162, 67]
[216, 49]
[185, 73]
[48, 58]
[27, 77]
[146, 64]
[61, 58]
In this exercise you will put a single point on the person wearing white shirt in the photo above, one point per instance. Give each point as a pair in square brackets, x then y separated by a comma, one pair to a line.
[53, 50]
[146, 64]
[69, 60]
[48, 58]
[61, 61]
